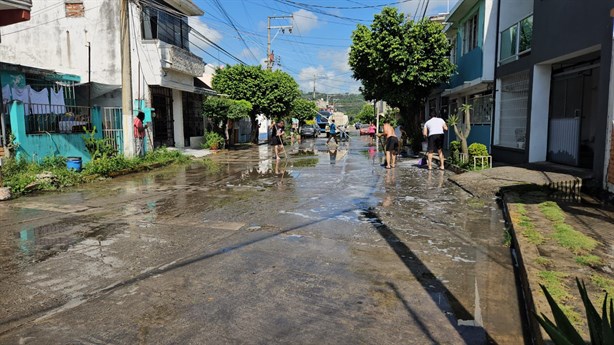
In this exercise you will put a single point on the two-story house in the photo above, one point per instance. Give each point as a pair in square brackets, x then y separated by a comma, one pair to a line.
[471, 30]
[554, 94]
[82, 37]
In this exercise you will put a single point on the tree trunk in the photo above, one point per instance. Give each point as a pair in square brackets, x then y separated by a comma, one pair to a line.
[226, 134]
[255, 129]
[463, 139]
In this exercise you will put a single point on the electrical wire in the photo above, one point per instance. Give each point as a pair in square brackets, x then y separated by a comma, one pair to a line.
[349, 7]
[231, 22]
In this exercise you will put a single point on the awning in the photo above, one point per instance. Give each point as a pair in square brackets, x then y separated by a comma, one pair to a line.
[98, 89]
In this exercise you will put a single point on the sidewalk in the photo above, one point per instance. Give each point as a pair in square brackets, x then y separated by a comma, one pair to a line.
[549, 220]
[197, 153]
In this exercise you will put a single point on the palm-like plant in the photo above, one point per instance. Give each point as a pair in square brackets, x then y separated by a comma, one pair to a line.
[563, 332]
[462, 128]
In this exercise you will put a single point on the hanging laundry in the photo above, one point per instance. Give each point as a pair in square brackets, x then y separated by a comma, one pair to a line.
[23, 95]
[58, 104]
[39, 101]
[6, 93]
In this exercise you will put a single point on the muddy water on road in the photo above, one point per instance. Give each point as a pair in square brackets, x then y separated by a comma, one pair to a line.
[345, 251]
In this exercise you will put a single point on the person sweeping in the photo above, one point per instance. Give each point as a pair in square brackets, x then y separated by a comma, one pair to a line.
[277, 141]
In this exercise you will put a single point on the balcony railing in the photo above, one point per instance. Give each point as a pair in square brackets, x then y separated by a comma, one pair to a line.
[45, 118]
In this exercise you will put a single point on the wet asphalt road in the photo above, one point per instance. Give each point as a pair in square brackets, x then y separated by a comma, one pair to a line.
[326, 247]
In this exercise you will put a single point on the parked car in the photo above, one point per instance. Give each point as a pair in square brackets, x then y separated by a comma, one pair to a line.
[364, 129]
[312, 131]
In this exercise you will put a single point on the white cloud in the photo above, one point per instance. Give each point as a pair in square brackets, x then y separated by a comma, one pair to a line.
[211, 34]
[338, 59]
[326, 81]
[304, 21]
[245, 53]
[435, 7]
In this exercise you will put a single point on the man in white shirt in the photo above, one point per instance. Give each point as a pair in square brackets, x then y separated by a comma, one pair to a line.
[434, 130]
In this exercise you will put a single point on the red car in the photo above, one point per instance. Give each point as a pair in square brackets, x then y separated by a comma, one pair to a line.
[364, 129]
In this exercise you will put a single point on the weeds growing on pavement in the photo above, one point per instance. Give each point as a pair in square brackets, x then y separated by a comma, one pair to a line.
[305, 163]
[527, 228]
[23, 176]
[552, 211]
[553, 281]
[588, 260]
[572, 239]
[544, 262]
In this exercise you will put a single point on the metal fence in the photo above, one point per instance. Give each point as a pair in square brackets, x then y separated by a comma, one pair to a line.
[112, 128]
[45, 118]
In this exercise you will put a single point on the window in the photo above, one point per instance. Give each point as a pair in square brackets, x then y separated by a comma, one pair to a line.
[516, 40]
[470, 34]
[168, 28]
[514, 102]
[481, 106]
[453, 52]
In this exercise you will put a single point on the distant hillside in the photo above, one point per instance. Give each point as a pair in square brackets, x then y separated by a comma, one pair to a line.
[350, 104]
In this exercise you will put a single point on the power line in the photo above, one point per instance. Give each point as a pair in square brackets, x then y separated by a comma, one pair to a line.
[231, 22]
[349, 7]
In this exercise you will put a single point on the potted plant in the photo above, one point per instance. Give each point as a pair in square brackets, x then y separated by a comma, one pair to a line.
[213, 141]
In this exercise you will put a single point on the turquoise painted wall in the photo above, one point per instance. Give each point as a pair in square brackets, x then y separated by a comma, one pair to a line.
[471, 64]
[34, 147]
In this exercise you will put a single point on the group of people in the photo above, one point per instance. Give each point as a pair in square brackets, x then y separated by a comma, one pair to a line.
[433, 132]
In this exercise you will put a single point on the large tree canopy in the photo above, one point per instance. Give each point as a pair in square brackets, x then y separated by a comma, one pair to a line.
[399, 60]
[303, 109]
[270, 93]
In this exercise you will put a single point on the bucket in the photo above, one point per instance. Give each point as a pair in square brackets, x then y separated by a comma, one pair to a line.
[73, 163]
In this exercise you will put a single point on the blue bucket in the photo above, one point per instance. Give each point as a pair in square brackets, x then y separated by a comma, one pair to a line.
[73, 163]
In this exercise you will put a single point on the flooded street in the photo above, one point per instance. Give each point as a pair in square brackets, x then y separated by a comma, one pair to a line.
[326, 247]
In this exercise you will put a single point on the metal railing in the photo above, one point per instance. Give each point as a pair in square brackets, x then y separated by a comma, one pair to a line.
[45, 118]
[112, 127]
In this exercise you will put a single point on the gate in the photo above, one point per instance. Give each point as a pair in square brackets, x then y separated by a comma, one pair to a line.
[112, 127]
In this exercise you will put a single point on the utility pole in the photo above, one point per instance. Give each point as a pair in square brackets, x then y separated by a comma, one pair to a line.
[126, 79]
[270, 58]
[314, 87]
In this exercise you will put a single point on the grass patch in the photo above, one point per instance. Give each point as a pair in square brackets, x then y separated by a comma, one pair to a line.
[302, 153]
[305, 162]
[476, 203]
[553, 281]
[588, 260]
[542, 261]
[606, 285]
[21, 177]
[211, 166]
[572, 239]
[526, 226]
[507, 238]
[552, 211]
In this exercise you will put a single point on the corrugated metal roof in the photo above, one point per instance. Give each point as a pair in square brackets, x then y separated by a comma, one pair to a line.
[16, 5]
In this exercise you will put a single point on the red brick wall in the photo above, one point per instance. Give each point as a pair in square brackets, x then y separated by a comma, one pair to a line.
[74, 9]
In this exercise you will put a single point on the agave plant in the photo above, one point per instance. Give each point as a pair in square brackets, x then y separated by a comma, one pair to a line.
[563, 332]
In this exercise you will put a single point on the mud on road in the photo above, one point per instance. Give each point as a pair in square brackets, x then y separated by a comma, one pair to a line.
[324, 247]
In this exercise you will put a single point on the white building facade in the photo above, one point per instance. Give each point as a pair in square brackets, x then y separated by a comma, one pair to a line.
[82, 37]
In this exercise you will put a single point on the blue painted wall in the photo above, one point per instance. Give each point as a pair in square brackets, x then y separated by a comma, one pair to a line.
[34, 147]
[479, 134]
[470, 66]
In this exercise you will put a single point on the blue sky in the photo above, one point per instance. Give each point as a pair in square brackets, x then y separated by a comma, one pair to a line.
[318, 45]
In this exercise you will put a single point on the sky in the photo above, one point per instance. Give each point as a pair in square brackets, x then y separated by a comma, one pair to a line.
[316, 49]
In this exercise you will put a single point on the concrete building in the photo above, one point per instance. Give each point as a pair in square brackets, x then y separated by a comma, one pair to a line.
[472, 31]
[554, 91]
[82, 37]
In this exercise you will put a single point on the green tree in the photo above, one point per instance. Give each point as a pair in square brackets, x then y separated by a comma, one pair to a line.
[399, 60]
[366, 114]
[270, 92]
[222, 112]
[303, 109]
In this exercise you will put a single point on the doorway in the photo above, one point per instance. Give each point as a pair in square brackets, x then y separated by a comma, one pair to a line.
[573, 106]
[162, 102]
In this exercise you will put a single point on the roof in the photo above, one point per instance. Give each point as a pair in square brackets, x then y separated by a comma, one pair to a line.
[460, 10]
[16, 5]
[186, 7]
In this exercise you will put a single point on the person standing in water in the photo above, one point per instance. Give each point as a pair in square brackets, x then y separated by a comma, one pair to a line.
[434, 132]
